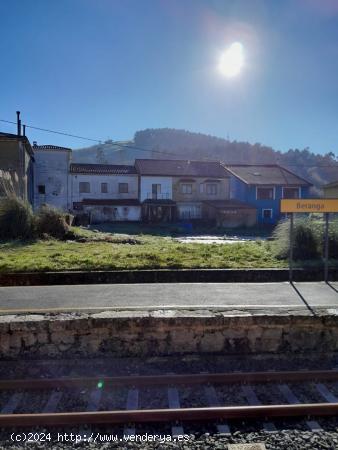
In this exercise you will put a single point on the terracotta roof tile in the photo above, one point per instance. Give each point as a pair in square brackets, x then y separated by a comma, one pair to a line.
[269, 174]
[175, 167]
[102, 169]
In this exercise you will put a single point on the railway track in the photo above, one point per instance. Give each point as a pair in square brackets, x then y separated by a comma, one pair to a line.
[222, 397]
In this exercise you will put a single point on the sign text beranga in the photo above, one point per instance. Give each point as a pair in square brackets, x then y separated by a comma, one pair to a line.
[320, 205]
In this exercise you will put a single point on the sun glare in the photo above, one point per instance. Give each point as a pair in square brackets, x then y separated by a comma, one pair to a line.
[232, 60]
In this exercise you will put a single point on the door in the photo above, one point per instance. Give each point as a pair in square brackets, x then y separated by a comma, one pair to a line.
[155, 191]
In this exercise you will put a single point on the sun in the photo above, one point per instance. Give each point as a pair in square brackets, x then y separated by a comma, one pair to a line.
[232, 60]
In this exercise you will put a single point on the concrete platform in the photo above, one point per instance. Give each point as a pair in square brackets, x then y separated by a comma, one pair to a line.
[168, 319]
[253, 298]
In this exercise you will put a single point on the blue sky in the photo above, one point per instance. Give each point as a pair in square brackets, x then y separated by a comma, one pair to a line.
[107, 68]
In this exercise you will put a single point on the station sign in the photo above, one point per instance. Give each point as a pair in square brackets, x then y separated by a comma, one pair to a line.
[309, 205]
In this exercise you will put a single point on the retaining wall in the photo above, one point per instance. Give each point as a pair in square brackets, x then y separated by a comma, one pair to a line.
[163, 333]
[163, 276]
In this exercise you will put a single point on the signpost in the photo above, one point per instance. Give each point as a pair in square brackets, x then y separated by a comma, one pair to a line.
[310, 205]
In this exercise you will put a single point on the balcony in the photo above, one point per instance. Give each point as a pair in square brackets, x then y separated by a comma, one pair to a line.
[157, 196]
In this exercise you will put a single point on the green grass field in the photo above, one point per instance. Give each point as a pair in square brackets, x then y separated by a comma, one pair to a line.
[105, 251]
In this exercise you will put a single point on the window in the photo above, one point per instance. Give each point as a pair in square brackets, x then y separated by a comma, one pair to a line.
[84, 187]
[41, 189]
[104, 188]
[123, 188]
[290, 192]
[265, 193]
[211, 189]
[186, 188]
[267, 213]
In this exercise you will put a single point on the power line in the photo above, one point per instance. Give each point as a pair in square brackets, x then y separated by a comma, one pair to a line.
[133, 147]
[55, 132]
[94, 140]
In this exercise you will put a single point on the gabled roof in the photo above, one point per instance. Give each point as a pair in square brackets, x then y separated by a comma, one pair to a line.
[102, 169]
[268, 174]
[176, 167]
[50, 147]
[333, 184]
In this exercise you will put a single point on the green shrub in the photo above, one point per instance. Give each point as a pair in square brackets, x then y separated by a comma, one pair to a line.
[16, 219]
[308, 238]
[306, 242]
[51, 222]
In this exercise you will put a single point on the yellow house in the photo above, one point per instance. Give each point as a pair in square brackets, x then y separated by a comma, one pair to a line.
[16, 165]
[331, 190]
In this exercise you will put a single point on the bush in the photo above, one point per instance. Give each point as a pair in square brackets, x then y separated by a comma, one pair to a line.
[51, 222]
[16, 219]
[308, 239]
[306, 244]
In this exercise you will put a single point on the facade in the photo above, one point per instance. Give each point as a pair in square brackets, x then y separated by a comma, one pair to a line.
[177, 189]
[331, 190]
[105, 192]
[51, 176]
[263, 186]
[16, 165]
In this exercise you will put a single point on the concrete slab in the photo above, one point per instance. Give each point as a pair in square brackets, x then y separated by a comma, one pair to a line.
[240, 297]
[318, 294]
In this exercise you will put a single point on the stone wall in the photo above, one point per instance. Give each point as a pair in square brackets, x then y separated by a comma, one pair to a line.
[156, 333]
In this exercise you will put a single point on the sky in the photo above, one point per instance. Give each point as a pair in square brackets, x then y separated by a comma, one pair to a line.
[104, 69]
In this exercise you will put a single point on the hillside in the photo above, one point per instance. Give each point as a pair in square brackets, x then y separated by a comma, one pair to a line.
[173, 144]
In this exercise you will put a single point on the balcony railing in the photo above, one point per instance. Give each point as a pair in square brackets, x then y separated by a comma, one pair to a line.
[156, 196]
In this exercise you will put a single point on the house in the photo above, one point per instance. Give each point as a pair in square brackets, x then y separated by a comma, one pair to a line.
[177, 189]
[16, 165]
[51, 176]
[330, 190]
[104, 191]
[263, 186]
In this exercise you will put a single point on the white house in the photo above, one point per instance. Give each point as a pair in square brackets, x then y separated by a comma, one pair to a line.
[51, 176]
[106, 192]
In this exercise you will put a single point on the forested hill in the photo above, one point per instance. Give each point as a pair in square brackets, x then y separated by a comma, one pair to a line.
[168, 143]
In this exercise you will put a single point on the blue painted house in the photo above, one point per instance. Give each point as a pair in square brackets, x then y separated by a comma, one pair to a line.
[263, 186]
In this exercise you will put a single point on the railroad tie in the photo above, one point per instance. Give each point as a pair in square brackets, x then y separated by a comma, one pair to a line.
[53, 401]
[324, 392]
[94, 400]
[213, 400]
[253, 400]
[93, 404]
[292, 398]
[12, 403]
[132, 404]
[174, 403]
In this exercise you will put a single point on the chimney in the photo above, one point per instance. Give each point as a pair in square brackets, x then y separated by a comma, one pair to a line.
[24, 130]
[18, 123]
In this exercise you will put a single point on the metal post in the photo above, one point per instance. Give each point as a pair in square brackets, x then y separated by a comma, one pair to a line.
[326, 247]
[291, 248]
